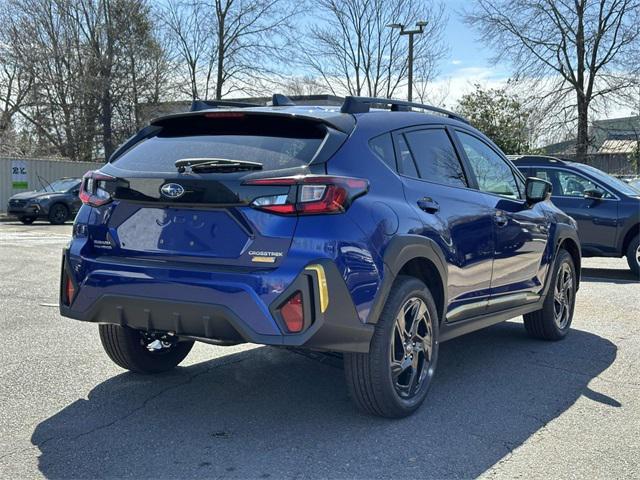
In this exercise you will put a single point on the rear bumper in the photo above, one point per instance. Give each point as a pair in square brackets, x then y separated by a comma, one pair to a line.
[235, 317]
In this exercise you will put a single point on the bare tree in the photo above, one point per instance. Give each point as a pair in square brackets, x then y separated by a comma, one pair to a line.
[89, 61]
[304, 85]
[15, 85]
[190, 40]
[354, 52]
[226, 46]
[579, 46]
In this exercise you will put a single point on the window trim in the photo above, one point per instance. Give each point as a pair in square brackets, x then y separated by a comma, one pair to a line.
[514, 170]
[597, 184]
[395, 134]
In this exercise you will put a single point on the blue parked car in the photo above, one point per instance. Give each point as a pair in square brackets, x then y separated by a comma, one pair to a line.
[376, 232]
[607, 209]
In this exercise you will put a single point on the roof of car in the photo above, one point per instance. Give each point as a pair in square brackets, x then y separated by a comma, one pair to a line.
[330, 115]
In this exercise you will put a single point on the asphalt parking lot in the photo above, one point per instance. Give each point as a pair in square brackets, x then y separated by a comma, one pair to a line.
[502, 405]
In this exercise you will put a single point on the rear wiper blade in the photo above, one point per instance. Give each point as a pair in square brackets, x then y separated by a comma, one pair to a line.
[215, 163]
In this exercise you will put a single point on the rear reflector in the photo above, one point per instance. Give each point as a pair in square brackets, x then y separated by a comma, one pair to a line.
[69, 290]
[292, 313]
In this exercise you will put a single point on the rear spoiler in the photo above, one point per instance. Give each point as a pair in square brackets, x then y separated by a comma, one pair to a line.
[338, 121]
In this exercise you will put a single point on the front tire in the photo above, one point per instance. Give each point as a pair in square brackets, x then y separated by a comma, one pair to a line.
[130, 349]
[58, 214]
[633, 255]
[553, 320]
[392, 380]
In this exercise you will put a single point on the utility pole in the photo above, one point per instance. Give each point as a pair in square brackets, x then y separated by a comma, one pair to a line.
[421, 24]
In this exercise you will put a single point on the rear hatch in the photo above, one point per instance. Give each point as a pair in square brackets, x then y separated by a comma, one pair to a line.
[180, 194]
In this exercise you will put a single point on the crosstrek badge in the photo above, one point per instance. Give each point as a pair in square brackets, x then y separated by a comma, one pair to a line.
[264, 257]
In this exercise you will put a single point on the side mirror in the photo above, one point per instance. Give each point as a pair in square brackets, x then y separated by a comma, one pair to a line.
[537, 190]
[592, 194]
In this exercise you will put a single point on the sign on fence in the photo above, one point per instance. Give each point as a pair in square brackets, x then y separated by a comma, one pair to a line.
[19, 174]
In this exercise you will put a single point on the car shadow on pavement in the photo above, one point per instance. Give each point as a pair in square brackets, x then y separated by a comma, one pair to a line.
[610, 275]
[271, 413]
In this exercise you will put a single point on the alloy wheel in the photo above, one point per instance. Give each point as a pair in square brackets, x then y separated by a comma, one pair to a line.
[60, 214]
[411, 348]
[563, 296]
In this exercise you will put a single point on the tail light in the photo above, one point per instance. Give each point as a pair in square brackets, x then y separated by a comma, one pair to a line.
[315, 194]
[94, 189]
[293, 313]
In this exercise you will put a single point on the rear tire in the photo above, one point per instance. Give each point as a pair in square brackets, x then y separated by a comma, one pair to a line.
[633, 255]
[27, 220]
[58, 214]
[392, 380]
[553, 320]
[127, 348]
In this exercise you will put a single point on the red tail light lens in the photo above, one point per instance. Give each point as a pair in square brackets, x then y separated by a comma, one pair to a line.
[69, 290]
[94, 189]
[292, 313]
[316, 194]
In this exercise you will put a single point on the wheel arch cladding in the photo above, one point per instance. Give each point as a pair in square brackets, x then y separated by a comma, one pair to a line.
[415, 256]
[425, 270]
[628, 237]
[572, 246]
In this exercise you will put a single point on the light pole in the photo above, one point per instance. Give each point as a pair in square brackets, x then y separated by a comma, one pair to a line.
[421, 24]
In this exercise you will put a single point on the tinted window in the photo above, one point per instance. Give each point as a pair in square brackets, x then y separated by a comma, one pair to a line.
[494, 175]
[63, 185]
[574, 185]
[406, 165]
[382, 146]
[608, 180]
[276, 143]
[435, 157]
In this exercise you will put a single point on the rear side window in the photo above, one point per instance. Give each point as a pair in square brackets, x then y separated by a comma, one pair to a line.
[435, 157]
[382, 146]
[275, 142]
[406, 165]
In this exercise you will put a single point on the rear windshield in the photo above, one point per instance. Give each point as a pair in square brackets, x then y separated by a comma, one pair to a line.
[276, 143]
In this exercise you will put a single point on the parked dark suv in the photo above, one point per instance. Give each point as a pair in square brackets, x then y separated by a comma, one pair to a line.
[607, 209]
[56, 202]
[373, 232]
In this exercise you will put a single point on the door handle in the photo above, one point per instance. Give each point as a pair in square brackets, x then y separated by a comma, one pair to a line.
[501, 218]
[428, 205]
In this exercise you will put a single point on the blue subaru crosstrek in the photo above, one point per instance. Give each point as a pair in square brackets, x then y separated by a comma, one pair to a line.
[370, 229]
[606, 209]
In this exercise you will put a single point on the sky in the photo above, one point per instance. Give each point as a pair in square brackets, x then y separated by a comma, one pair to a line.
[469, 62]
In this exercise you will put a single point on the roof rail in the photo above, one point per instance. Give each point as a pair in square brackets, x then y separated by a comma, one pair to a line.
[198, 105]
[279, 100]
[363, 104]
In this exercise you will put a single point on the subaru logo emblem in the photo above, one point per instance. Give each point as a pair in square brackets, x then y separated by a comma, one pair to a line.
[172, 190]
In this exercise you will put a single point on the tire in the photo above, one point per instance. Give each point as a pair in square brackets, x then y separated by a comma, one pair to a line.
[127, 348]
[27, 220]
[58, 214]
[633, 256]
[370, 381]
[553, 320]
